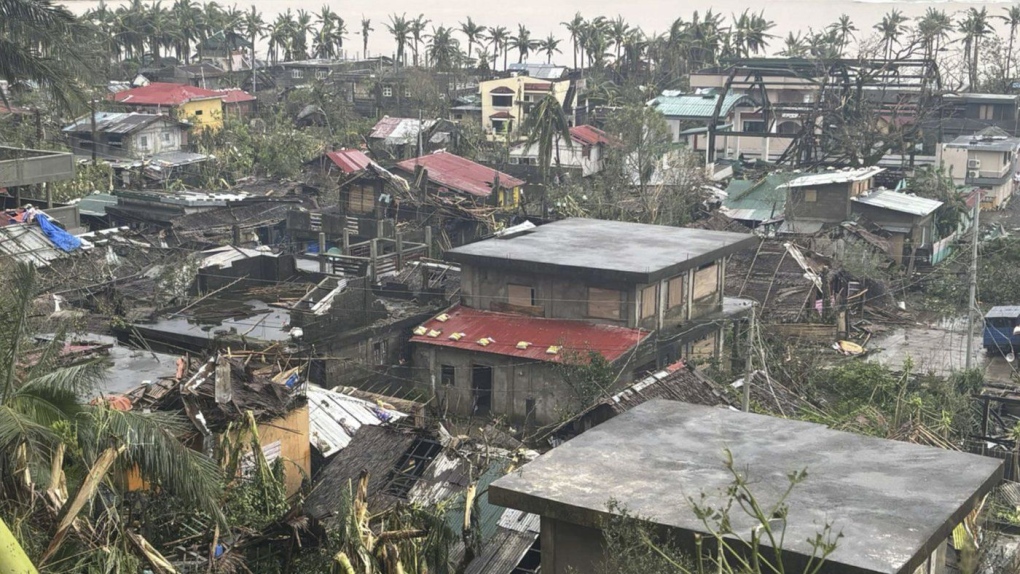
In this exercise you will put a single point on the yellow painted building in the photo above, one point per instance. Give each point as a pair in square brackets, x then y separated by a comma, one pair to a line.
[205, 113]
[204, 109]
[507, 101]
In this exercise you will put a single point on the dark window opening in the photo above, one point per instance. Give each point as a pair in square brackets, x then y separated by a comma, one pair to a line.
[502, 101]
[380, 349]
[481, 389]
[411, 467]
[531, 562]
[447, 375]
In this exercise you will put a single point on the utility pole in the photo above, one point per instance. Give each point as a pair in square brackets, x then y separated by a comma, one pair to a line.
[95, 143]
[747, 364]
[971, 303]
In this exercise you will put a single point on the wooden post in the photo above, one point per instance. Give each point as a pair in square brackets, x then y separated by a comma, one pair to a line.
[379, 227]
[322, 252]
[373, 246]
[49, 195]
[346, 242]
[236, 234]
[400, 250]
[94, 132]
[428, 241]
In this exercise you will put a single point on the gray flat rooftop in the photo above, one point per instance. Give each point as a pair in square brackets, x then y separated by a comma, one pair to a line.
[893, 501]
[611, 249]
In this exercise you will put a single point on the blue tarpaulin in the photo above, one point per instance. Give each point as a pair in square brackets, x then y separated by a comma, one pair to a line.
[60, 238]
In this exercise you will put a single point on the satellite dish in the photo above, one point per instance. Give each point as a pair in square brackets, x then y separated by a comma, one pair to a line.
[1010, 358]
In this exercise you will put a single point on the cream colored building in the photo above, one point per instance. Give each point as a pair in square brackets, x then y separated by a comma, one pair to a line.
[507, 101]
[986, 160]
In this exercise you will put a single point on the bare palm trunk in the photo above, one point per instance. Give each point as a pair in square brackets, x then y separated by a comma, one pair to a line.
[1009, 54]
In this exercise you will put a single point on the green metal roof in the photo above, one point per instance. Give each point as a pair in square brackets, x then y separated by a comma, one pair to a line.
[696, 106]
[96, 204]
[757, 200]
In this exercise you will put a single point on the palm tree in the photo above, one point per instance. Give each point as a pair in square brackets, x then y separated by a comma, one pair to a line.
[890, 28]
[575, 27]
[794, 46]
[366, 27]
[254, 28]
[934, 28]
[417, 28]
[329, 37]
[303, 26]
[499, 37]
[974, 27]
[443, 48]
[547, 125]
[400, 27]
[34, 46]
[844, 28]
[618, 30]
[190, 21]
[550, 45]
[474, 33]
[41, 396]
[523, 43]
[1012, 19]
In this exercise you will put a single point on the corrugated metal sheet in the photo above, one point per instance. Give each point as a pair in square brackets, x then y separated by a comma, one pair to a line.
[676, 383]
[349, 160]
[460, 174]
[444, 478]
[760, 200]
[539, 71]
[115, 122]
[335, 417]
[589, 135]
[696, 105]
[901, 202]
[96, 203]
[842, 176]
[506, 331]
[223, 257]
[399, 130]
[26, 243]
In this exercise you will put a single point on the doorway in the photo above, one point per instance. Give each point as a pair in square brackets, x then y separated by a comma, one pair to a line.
[481, 389]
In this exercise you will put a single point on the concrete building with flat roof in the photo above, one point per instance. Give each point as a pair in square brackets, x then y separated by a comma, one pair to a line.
[640, 296]
[895, 503]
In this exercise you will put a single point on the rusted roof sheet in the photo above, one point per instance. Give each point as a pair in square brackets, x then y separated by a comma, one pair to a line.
[677, 382]
[167, 94]
[506, 334]
[349, 160]
[460, 174]
[589, 135]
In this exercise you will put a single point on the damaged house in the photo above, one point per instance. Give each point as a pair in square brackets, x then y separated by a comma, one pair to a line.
[536, 299]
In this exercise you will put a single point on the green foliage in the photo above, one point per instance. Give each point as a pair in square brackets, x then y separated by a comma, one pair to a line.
[87, 179]
[999, 272]
[589, 375]
[263, 147]
[935, 183]
[257, 501]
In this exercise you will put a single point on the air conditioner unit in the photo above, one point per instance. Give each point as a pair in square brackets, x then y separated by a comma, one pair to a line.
[973, 174]
[973, 164]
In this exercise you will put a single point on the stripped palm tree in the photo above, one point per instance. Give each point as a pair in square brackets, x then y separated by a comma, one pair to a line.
[1012, 20]
[37, 45]
[575, 27]
[366, 28]
[499, 36]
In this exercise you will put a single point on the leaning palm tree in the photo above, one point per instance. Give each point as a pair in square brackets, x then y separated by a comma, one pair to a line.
[499, 36]
[417, 29]
[1012, 20]
[36, 46]
[52, 441]
[547, 126]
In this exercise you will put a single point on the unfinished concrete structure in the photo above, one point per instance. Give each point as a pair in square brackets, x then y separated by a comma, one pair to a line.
[894, 503]
[553, 294]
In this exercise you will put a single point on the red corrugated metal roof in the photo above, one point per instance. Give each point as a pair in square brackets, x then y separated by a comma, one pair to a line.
[501, 115]
[502, 90]
[537, 87]
[506, 331]
[349, 160]
[459, 174]
[589, 135]
[167, 94]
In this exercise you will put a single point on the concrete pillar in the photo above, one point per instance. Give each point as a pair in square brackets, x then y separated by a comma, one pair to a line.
[322, 252]
[346, 241]
[373, 246]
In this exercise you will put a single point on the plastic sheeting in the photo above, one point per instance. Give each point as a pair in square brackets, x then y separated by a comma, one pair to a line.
[60, 238]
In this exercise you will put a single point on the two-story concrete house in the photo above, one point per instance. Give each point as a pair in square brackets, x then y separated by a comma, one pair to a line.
[205, 109]
[506, 103]
[583, 154]
[126, 134]
[987, 160]
[639, 295]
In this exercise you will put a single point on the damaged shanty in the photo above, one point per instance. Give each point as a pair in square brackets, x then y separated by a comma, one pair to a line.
[218, 394]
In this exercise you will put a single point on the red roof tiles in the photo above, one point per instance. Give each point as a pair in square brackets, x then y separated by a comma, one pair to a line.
[506, 334]
[460, 174]
[167, 94]
[349, 160]
[589, 135]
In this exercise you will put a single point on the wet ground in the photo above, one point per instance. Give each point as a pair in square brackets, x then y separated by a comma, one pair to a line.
[938, 348]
